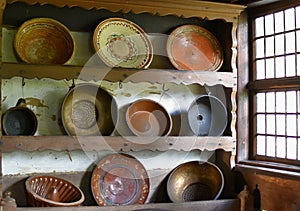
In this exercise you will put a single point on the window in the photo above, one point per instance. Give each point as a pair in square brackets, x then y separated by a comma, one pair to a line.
[274, 84]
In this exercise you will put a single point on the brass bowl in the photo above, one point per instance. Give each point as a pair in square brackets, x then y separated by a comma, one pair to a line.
[40, 192]
[195, 181]
[88, 109]
[44, 41]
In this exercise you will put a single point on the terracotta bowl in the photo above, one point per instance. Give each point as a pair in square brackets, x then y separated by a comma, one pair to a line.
[207, 116]
[195, 181]
[50, 191]
[44, 41]
[148, 118]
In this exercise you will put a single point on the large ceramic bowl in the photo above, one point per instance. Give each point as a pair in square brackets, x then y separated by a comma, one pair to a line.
[122, 43]
[50, 191]
[195, 181]
[120, 179]
[44, 41]
[192, 47]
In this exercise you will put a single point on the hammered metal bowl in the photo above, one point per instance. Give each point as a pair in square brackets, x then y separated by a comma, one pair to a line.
[40, 192]
[44, 41]
[88, 109]
[195, 181]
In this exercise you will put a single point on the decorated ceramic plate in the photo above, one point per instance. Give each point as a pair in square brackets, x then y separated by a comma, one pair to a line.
[119, 179]
[122, 43]
[191, 47]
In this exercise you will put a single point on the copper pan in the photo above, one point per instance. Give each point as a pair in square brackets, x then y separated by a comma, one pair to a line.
[88, 109]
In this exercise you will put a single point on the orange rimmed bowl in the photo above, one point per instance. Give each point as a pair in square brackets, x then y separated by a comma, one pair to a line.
[146, 117]
[50, 191]
[192, 47]
[44, 41]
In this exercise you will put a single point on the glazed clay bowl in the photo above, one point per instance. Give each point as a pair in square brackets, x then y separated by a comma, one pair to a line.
[19, 120]
[192, 47]
[50, 191]
[195, 181]
[44, 41]
[88, 109]
[148, 118]
[207, 115]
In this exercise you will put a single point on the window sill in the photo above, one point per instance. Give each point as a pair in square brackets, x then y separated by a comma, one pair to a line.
[269, 169]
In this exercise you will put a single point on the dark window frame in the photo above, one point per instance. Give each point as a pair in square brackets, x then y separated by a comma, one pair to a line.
[246, 161]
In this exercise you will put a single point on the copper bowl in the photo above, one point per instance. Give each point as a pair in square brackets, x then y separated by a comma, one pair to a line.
[148, 118]
[195, 181]
[50, 191]
[44, 41]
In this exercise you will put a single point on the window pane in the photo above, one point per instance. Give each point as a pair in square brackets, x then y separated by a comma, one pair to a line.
[271, 146]
[270, 72]
[260, 69]
[279, 44]
[280, 70]
[298, 149]
[298, 41]
[280, 102]
[291, 126]
[270, 46]
[298, 17]
[261, 145]
[260, 123]
[270, 100]
[260, 48]
[260, 102]
[290, 65]
[290, 42]
[291, 101]
[298, 65]
[269, 24]
[280, 148]
[291, 148]
[279, 26]
[289, 19]
[259, 27]
[271, 124]
[280, 124]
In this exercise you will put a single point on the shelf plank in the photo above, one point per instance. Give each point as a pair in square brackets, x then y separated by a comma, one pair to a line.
[187, 8]
[116, 143]
[96, 73]
[212, 205]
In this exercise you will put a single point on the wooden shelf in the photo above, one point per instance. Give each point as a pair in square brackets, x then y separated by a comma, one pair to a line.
[115, 143]
[96, 73]
[188, 8]
[214, 205]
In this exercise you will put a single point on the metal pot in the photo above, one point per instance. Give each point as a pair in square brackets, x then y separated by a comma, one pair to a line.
[195, 181]
[19, 120]
[88, 109]
[207, 115]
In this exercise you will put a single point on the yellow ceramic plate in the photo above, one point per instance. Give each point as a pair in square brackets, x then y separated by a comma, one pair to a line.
[122, 43]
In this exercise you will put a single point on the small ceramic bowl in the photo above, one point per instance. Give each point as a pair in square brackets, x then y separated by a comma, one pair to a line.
[44, 41]
[148, 118]
[50, 191]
